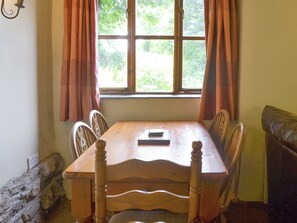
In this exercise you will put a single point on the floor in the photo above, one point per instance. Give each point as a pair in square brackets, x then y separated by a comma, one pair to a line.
[241, 212]
[247, 212]
[61, 214]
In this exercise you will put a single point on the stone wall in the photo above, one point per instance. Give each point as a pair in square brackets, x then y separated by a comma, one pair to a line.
[31, 196]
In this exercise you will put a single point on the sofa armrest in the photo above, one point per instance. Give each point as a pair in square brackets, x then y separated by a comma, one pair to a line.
[282, 125]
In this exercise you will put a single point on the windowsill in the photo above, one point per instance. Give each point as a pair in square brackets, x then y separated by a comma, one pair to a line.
[148, 96]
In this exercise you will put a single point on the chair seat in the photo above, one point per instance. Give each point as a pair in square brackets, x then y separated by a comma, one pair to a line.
[149, 217]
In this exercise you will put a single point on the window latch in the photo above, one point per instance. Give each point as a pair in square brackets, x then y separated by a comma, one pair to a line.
[127, 13]
[181, 11]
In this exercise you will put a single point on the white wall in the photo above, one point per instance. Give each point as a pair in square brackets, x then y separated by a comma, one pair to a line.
[46, 133]
[18, 92]
[26, 88]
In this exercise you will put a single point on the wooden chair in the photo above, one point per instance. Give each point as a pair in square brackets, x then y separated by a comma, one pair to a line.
[81, 137]
[232, 160]
[218, 129]
[156, 206]
[98, 123]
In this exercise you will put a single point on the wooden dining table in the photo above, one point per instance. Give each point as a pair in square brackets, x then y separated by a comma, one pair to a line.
[122, 144]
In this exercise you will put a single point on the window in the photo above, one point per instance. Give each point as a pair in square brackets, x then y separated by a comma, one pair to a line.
[151, 46]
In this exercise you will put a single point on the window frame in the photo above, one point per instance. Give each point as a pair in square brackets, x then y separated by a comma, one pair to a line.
[131, 38]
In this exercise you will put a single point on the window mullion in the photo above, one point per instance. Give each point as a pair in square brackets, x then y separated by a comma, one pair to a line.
[177, 46]
[131, 46]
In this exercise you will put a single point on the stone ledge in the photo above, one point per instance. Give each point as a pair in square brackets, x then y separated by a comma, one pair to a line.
[29, 197]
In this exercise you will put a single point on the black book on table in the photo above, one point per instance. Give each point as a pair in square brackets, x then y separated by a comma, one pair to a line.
[154, 137]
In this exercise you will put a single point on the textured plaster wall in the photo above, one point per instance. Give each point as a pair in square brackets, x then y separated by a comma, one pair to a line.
[268, 75]
[18, 92]
[26, 89]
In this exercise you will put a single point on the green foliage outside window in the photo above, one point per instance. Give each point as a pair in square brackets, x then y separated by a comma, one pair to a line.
[154, 58]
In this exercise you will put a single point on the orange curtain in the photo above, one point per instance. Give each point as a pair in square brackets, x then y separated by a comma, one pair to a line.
[79, 79]
[221, 73]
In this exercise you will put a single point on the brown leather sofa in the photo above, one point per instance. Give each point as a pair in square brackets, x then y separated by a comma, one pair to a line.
[280, 128]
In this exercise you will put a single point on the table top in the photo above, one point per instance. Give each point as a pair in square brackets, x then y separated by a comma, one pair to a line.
[122, 144]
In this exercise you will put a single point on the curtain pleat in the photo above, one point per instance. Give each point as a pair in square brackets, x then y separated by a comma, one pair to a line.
[221, 72]
[79, 78]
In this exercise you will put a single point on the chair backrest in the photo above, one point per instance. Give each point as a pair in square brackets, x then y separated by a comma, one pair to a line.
[81, 137]
[218, 129]
[139, 199]
[232, 158]
[98, 123]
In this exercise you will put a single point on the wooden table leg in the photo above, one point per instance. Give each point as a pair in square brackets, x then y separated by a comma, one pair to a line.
[209, 200]
[81, 202]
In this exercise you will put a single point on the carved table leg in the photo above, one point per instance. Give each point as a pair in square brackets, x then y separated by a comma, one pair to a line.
[81, 202]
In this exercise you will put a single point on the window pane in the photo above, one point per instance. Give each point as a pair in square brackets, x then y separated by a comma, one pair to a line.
[194, 59]
[154, 65]
[112, 63]
[193, 18]
[154, 17]
[112, 17]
